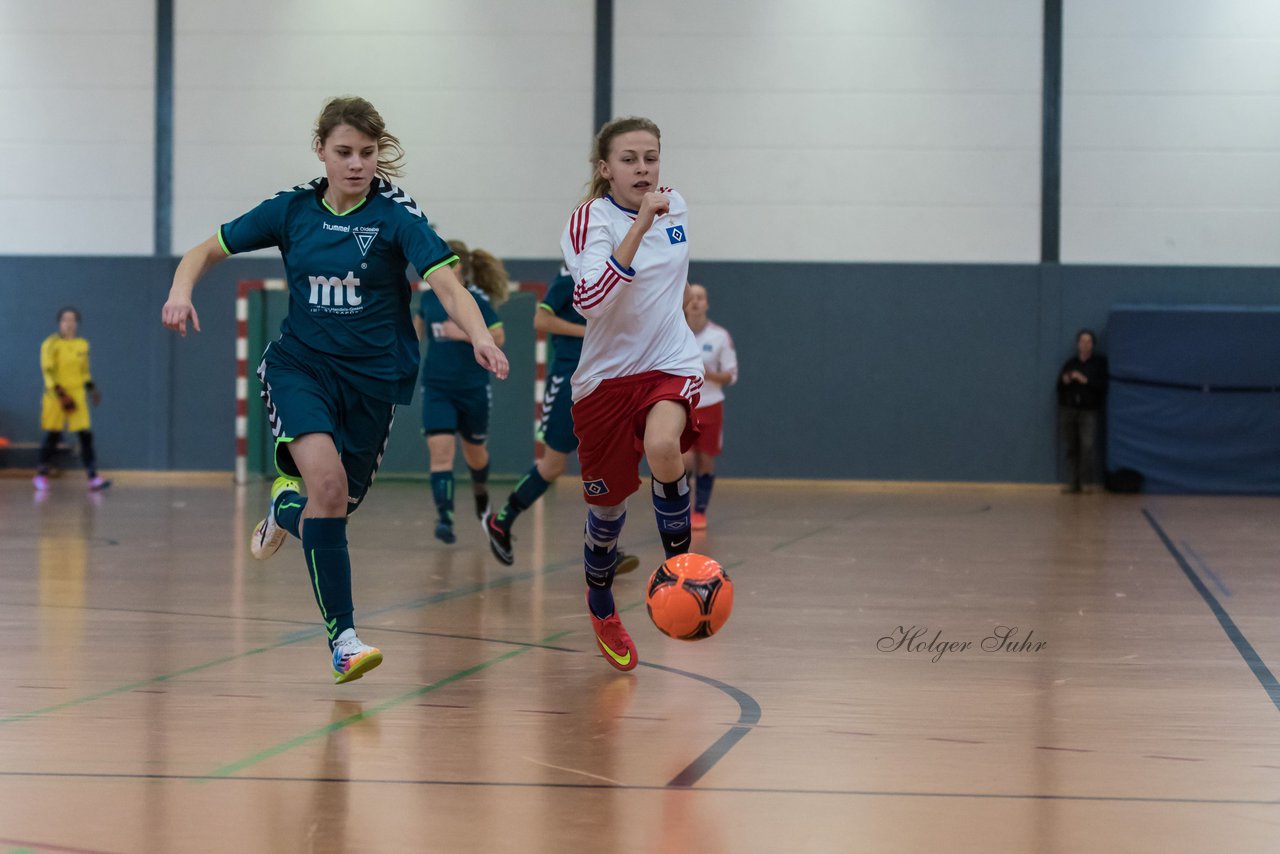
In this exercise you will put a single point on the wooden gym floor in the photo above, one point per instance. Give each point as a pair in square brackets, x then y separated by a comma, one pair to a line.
[165, 693]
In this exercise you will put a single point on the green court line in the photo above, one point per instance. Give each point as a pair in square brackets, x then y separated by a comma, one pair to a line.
[803, 536]
[298, 637]
[228, 770]
[79, 701]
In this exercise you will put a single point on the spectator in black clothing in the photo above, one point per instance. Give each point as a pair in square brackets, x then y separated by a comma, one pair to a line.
[1082, 391]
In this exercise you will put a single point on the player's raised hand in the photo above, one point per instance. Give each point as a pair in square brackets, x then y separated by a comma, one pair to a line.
[176, 313]
[492, 359]
[654, 205]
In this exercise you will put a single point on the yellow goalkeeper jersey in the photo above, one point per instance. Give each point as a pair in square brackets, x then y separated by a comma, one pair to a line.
[65, 362]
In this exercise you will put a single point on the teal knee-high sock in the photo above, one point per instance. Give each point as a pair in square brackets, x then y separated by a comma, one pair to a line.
[479, 479]
[324, 544]
[530, 488]
[289, 508]
[442, 492]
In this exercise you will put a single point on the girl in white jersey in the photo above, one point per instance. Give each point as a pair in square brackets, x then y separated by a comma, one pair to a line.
[720, 369]
[637, 383]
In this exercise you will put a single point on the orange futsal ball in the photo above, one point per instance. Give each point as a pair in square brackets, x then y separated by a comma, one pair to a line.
[689, 597]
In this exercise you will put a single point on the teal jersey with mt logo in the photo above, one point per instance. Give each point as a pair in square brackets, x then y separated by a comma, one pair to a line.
[449, 363]
[349, 291]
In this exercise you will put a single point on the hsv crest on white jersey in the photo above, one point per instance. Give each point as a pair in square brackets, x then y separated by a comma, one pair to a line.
[716, 346]
[635, 315]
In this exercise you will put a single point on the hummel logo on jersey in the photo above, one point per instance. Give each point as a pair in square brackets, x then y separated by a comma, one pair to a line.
[676, 233]
[594, 487]
[364, 235]
[332, 291]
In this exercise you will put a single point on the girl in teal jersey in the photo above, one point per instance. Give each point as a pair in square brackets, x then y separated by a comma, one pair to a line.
[347, 354]
[455, 392]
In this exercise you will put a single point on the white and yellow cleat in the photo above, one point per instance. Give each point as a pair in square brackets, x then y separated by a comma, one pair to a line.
[352, 658]
[267, 535]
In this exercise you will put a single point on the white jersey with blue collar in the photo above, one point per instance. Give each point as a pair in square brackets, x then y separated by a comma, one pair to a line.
[718, 355]
[635, 315]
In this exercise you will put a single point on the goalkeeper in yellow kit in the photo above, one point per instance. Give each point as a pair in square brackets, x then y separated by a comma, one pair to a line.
[64, 361]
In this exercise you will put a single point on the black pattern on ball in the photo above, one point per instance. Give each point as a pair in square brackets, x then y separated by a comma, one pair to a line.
[705, 592]
[661, 578]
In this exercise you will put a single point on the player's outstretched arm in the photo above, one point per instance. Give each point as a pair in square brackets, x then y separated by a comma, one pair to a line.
[461, 306]
[548, 324]
[178, 308]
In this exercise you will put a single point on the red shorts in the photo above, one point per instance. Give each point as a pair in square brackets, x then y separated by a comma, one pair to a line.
[609, 423]
[711, 424]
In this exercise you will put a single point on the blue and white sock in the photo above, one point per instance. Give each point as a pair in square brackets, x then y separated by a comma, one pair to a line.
[671, 507]
[600, 556]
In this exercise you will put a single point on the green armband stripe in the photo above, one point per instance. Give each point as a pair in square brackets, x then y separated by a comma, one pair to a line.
[448, 262]
[546, 307]
[497, 325]
[223, 243]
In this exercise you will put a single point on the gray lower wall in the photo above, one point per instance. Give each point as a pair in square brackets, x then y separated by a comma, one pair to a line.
[893, 371]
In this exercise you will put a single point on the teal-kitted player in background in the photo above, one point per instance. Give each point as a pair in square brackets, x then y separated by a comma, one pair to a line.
[456, 398]
[347, 353]
[557, 318]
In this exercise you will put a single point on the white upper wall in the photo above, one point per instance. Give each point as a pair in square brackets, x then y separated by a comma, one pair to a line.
[843, 130]
[77, 92]
[1171, 132]
[822, 130]
[492, 100]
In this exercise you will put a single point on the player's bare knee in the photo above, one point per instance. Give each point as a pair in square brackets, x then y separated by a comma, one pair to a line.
[660, 449]
[550, 469]
[327, 495]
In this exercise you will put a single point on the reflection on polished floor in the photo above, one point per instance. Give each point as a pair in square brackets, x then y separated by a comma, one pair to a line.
[909, 668]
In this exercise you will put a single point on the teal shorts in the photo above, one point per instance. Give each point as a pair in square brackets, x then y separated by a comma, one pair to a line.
[464, 411]
[304, 398]
[555, 420]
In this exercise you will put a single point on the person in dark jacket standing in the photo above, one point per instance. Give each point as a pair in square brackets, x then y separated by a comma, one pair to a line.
[1082, 391]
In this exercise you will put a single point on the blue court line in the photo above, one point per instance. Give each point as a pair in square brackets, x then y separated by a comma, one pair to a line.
[277, 749]
[748, 712]
[748, 716]
[1246, 650]
[1204, 567]
[748, 708]
[743, 790]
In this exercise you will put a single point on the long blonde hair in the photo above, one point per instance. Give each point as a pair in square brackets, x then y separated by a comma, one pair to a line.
[598, 186]
[360, 114]
[484, 270]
